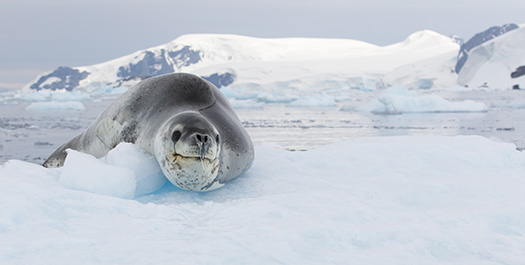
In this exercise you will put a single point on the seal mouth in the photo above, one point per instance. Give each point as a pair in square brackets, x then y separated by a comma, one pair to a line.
[176, 157]
[191, 172]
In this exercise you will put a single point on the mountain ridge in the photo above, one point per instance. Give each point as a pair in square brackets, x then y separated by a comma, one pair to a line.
[193, 52]
[492, 64]
[423, 60]
[480, 38]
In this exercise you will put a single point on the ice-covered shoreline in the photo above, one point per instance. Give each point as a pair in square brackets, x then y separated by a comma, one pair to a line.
[417, 200]
[397, 99]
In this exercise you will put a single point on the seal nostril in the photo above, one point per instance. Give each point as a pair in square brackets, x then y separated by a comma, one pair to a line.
[176, 136]
[217, 139]
[202, 138]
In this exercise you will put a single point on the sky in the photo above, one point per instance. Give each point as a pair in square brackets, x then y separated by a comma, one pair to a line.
[38, 36]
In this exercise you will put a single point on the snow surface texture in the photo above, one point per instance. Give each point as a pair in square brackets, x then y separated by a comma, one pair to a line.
[398, 100]
[389, 200]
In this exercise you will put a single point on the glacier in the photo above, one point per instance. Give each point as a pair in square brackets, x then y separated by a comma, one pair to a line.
[398, 100]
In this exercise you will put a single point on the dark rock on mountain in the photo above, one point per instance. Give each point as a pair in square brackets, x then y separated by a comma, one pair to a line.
[221, 80]
[185, 56]
[146, 64]
[457, 39]
[519, 72]
[62, 78]
[152, 65]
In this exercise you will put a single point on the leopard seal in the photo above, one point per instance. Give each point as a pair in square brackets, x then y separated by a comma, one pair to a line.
[181, 119]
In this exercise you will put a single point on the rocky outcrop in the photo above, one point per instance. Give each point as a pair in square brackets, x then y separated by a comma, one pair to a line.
[221, 80]
[143, 65]
[161, 62]
[519, 72]
[61, 78]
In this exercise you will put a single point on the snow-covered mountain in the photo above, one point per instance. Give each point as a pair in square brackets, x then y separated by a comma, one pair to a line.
[497, 64]
[479, 39]
[291, 67]
[297, 63]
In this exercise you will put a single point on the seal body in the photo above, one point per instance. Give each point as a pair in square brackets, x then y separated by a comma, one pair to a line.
[181, 119]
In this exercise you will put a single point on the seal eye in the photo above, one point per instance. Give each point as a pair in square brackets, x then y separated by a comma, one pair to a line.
[217, 139]
[176, 136]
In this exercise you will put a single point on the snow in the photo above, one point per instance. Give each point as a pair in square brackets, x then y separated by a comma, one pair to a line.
[386, 200]
[305, 64]
[397, 100]
[56, 105]
[432, 73]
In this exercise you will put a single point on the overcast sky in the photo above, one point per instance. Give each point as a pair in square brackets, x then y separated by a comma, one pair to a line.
[39, 35]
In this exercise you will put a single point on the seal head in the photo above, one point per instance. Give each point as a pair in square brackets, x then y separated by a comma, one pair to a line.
[188, 150]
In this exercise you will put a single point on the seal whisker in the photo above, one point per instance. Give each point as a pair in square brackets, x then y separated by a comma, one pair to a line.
[203, 170]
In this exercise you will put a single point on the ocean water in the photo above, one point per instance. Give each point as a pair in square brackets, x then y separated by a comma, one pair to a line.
[32, 135]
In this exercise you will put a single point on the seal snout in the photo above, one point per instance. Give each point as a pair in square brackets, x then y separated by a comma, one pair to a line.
[203, 142]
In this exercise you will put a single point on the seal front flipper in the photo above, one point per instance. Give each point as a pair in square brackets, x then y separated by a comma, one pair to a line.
[108, 132]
